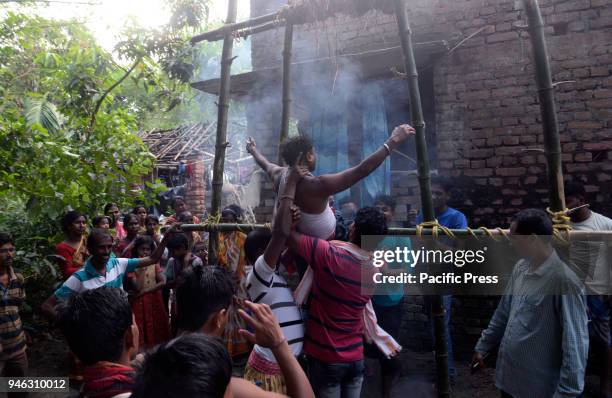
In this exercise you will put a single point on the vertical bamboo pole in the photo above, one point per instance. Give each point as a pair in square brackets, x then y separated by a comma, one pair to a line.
[288, 45]
[221, 142]
[552, 145]
[418, 122]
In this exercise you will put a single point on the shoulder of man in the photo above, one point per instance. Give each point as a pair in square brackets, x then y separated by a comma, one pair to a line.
[604, 223]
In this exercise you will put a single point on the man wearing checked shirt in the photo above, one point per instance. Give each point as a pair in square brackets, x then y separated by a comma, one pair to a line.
[540, 323]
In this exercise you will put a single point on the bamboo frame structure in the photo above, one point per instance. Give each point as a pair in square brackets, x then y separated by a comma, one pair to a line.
[546, 96]
[418, 122]
[547, 106]
[288, 45]
[221, 142]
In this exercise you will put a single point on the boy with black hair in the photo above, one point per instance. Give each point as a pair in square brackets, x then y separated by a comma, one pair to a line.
[13, 358]
[102, 332]
[101, 269]
[204, 297]
[266, 286]
[593, 259]
[540, 324]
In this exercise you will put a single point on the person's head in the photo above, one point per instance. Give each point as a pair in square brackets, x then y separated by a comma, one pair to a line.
[386, 204]
[143, 247]
[112, 211]
[151, 224]
[101, 222]
[229, 215]
[348, 208]
[202, 299]
[200, 250]
[178, 246]
[74, 224]
[575, 196]
[185, 217]
[255, 244]
[178, 204]
[294, 146]
[440, 193]
[531, 230]
[99, 326]
[190, 366]
[140, 211]
[100, 245]
[237, 210]
[368, 221]
[131, 223]
[7, 250]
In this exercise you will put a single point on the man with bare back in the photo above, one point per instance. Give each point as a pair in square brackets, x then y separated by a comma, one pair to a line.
[312, 192]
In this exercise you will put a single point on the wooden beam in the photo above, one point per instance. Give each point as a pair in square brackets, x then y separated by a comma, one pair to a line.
[221, 142]
[286, 114]
[418, 122]
[546, 95]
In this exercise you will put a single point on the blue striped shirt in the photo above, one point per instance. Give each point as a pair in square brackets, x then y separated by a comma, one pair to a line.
[87, 278]
[541, 327]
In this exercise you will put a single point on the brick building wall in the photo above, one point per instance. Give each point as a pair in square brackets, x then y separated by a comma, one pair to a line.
[486, 108]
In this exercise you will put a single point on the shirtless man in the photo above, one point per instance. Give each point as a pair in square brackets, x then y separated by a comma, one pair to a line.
[312, 192]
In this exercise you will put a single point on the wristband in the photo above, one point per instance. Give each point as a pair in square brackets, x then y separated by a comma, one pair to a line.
[387, 148]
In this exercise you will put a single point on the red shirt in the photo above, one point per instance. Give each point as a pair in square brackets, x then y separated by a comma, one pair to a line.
[334, 330]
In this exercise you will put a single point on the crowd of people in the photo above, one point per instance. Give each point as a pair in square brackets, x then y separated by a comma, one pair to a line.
[284, 311]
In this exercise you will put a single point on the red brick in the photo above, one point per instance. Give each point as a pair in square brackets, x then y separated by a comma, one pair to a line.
[530, 180]
[583, 157]
[600, 71]
[478, 172]
[584, 125]
[597, 146]
[513, 140]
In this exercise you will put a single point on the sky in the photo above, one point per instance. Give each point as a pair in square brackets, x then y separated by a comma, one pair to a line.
[106, 17]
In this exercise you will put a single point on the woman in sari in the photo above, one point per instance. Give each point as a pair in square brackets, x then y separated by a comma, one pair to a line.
[116, 226]
[123, 248]
[144, 287]
[72, 252]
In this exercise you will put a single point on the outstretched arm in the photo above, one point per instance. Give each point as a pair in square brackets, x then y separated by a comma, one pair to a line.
[331, 184]
[273, 170]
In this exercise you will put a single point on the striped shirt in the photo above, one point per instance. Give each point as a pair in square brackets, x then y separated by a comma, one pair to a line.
[541, 327]
[334, 329]
[265, 286]
[12, 338]
[87, 278]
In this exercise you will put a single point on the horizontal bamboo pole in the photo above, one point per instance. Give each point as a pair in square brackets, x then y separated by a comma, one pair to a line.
[392, 231]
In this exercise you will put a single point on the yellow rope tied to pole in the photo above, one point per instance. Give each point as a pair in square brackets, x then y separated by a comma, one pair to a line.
[212, 221]
[489, 232]
[560, 221]
[435, 228]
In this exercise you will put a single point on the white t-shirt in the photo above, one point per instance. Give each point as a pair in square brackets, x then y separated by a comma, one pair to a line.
[594, 257]
[266, 286]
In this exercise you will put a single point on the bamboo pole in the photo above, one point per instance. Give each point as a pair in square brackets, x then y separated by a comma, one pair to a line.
[583, 235]
[221, 142]
[418, 122]
[228, 28]
[256, 29]
[288, 45]
[552, 145]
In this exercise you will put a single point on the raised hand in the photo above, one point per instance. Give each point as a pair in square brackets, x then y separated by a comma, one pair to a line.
[296, 215]
[250, 144]
[267, 331]
[401, 133]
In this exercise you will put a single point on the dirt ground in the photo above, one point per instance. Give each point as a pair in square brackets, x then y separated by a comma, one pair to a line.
[49, 357]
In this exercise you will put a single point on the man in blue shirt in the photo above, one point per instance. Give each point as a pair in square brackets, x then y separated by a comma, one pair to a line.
[453, 219]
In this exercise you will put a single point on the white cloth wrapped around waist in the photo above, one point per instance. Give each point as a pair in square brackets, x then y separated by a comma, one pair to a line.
[322, 225]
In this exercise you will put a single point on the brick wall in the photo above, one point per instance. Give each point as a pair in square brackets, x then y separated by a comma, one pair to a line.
[486, 107]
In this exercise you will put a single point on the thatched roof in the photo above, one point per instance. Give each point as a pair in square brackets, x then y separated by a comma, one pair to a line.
[170, 146]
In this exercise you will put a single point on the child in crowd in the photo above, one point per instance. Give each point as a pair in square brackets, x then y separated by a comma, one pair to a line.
[152, 228]
[200, 250]
[193, 237]
[116, 225]
[144, 286]
[141, 211]
[102, 222]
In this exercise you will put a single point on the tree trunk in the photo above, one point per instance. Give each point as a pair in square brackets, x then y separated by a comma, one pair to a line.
[418, 122]
[221, 142]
